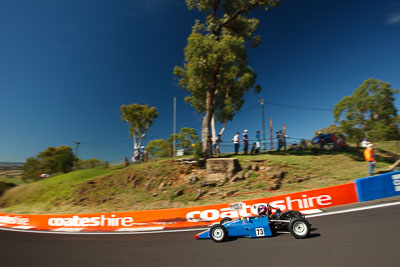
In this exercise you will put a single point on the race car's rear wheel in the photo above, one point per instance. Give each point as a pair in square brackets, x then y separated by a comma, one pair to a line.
[290, 214]
[218, 233]
[299, 228]
[225, 220]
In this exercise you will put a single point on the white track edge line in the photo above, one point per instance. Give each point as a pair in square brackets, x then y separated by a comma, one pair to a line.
[67, 229]
[354, 209]
[101, 233]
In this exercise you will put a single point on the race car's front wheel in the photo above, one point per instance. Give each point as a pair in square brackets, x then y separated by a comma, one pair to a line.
[218, 233]
[299, 228]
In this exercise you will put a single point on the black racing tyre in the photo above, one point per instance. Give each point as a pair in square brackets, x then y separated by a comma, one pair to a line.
[290, 214]
[299, 228]
[225, 220]
[218, 233]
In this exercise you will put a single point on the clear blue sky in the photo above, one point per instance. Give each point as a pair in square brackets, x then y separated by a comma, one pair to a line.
[66, 67]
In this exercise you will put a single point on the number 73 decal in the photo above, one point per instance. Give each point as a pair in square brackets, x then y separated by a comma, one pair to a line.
[260, 232]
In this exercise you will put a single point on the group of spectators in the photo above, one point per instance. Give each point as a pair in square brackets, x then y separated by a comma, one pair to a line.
[140, 155]
[324, 139]
[256, 146]
[330, 139]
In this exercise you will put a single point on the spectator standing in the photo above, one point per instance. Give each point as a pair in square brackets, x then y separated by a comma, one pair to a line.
[303, 144]
[321, 140]
[284, 138]
[279, 136]
[145, 155]
[334, 140]
[218, 140]
[245, 141]
[236, 142]
[258, 136]
[294, 146]
[135, 156]
[141, 154]
[342, 142]
[258, 142]
[253, 148]
[258, 147]
[365, 142]
[369, 156]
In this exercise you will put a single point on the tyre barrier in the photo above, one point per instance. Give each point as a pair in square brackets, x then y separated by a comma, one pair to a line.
[307, 202]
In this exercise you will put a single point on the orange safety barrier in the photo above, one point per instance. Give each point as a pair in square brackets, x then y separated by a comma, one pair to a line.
[180, 218]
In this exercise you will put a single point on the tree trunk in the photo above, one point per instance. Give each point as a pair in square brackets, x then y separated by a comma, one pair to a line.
[213, 128]
[210, 106]
[205, 129]
[134, 143]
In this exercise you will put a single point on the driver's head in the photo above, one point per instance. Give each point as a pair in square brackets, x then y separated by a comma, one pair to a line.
[262, 210]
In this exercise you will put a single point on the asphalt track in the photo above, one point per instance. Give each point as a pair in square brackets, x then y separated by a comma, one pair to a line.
[362, 238]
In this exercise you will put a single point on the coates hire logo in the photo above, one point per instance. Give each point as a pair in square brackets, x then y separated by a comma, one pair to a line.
[287, 203]
[14, 220]
[102, 220]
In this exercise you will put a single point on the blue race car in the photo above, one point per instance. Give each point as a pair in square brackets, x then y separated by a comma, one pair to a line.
[264, 225]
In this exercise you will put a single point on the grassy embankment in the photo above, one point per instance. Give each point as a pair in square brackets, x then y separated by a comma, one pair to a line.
[168, 184]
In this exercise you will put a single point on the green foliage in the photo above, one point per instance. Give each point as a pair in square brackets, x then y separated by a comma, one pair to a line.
[31, 169]
[64, 158]
[216, 71]
[139, 118]
[185, 139]
[159, 148]
[198, 154]
[52, 160]
[369, 112]
[333, 129]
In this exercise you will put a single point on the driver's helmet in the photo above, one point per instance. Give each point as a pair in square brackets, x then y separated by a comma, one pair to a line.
[262, 210]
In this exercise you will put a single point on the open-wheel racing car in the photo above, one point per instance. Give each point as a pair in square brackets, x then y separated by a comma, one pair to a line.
[264, 225]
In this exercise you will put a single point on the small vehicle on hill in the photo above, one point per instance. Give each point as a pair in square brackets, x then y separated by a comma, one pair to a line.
[263, 225]
[326, 138]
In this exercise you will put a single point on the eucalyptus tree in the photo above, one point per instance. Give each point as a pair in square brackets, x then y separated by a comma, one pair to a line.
[216, 71]
[50, 161]
[159, 148]
[139, 118]
[369, 112]
[185, 139]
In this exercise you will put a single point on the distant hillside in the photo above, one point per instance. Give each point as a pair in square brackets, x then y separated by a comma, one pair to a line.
[11, 165]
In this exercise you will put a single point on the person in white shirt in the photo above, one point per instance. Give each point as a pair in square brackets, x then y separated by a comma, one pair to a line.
[236, 142]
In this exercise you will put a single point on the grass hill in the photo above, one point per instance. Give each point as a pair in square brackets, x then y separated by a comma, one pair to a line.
[169, 183]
